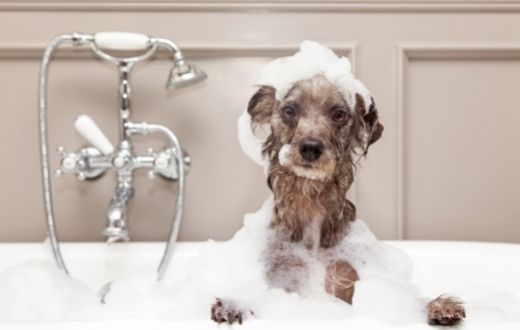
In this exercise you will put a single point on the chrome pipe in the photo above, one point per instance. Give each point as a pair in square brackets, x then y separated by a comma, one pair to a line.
[124, 97]
[144, 128]
[178, 58]
[76, 39]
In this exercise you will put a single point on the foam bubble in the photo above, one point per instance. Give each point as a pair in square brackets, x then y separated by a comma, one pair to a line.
[38, 291]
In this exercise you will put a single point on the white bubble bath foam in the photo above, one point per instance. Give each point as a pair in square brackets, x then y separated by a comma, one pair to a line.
[397, 279]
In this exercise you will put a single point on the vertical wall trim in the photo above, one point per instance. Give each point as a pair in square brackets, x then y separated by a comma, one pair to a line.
[407, 52]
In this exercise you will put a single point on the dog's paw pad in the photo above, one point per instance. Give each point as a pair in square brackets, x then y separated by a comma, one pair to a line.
[226, 311]
[445, 311]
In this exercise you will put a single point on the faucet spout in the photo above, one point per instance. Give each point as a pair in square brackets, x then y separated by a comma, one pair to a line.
[116, 229]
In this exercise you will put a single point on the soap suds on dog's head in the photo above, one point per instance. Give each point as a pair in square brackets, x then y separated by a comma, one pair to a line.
[312, 59]
[281, 74]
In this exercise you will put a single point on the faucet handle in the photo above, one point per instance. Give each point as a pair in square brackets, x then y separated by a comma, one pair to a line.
[78, 163]
[70, 162]
[122, 40]
[165, 164]
[91, 132]
[81, 176]
[61, 151]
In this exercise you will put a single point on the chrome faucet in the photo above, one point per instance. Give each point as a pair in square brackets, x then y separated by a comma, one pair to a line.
[89, 163]
[116, 213]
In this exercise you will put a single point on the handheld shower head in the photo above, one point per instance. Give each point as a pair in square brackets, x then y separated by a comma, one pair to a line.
[182, 75]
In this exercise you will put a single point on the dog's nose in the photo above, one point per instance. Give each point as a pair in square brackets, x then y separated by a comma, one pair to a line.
[311, 149]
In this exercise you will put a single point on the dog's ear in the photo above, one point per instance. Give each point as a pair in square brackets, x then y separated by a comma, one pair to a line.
[373, 129]
[261, 105]
[373, 126]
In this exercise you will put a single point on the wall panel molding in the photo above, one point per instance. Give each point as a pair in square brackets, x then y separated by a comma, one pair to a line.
[25, 50]
[347, 6]
[440, 51]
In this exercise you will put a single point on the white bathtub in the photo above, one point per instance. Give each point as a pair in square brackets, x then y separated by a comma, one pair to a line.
[469, 270]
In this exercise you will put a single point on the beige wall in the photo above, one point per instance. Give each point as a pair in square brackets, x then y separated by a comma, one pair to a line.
[445, 75]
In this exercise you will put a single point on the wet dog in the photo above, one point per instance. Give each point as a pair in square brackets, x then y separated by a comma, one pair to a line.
[314, 142]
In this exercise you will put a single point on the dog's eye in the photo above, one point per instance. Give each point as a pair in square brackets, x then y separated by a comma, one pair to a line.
[288, 112]
[338, 115]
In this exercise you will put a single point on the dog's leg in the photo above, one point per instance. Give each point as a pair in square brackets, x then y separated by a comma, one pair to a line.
[340, 280]
[285, 270]
[224, 310]
[445, 311]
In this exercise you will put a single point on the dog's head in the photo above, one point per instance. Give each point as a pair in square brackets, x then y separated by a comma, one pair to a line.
[313, 130]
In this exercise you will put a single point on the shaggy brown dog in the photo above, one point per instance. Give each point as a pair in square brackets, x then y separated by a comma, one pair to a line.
[314, 139]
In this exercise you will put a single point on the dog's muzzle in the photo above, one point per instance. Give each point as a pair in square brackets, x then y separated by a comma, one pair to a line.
[310, 149]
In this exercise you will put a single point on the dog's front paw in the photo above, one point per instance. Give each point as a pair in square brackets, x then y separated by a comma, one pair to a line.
[224, 310]
[445, 311]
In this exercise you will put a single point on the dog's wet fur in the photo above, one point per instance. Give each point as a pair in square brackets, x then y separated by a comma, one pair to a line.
[313, 145]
